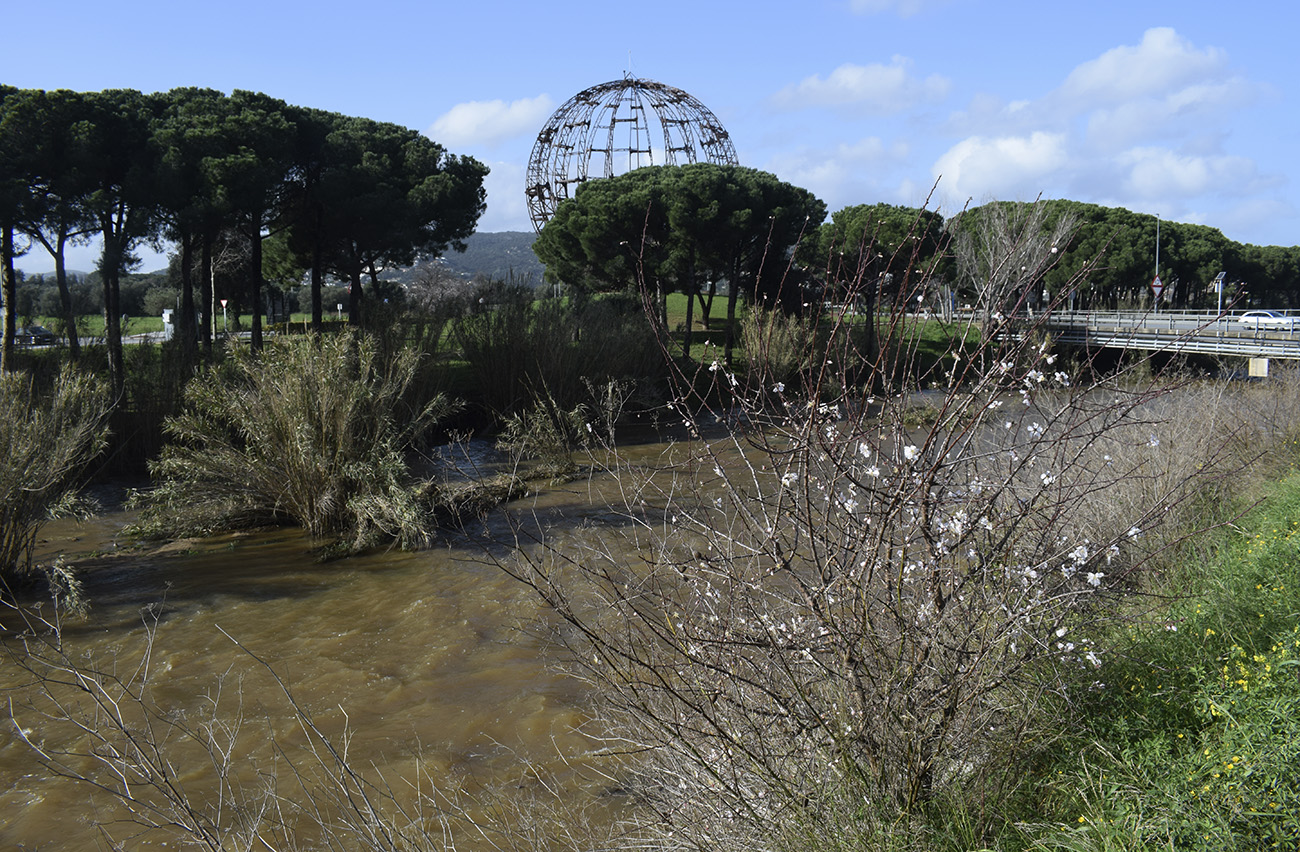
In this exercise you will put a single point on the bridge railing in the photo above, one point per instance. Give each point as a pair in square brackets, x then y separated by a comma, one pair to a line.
[1185, 331]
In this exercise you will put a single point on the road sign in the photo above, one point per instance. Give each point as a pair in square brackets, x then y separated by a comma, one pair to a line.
[1157, 286]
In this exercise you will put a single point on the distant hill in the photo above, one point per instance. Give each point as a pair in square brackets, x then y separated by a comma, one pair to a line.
[499, 254]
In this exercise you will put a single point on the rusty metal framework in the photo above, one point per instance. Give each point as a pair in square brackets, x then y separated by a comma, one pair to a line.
[616, 127]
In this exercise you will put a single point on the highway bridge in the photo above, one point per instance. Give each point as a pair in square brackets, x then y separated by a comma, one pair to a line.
[1202, 332]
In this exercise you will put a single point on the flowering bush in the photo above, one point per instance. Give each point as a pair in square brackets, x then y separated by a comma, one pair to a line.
[839, 618]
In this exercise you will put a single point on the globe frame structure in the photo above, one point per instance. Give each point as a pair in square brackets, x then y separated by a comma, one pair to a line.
[616, 127]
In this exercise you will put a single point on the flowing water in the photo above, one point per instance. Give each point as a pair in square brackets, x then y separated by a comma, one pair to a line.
[418, 656]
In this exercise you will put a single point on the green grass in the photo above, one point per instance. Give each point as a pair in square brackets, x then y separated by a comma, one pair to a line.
[933, 341]
[1190, 738]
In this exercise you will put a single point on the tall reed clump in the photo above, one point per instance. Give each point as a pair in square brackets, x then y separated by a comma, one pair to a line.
[842, 627]
[776, 346]
[312, 431]
[46, 441]
[547, 368]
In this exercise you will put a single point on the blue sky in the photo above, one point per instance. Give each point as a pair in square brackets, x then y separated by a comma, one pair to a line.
[1189, 110]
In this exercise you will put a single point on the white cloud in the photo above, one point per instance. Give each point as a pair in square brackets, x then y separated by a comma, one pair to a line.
[1006, 167]
[845, 174]
[490, 122]
[876, 88]
[811, 168]
[1156, 173]
[1259, 214]
[1162, 87]
[507, 209]
[1141, 125]
[1171, 115]
[1162, 63]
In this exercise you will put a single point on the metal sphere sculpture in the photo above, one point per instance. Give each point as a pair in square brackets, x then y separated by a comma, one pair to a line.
[614, 128]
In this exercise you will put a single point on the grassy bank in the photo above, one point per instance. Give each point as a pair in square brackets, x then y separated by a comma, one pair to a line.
[1190, 736]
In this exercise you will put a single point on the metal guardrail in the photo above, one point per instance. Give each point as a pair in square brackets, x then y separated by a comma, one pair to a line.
[1173, 331]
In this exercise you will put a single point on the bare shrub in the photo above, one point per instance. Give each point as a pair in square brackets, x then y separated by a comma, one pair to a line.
[45, 444]
[843, 616]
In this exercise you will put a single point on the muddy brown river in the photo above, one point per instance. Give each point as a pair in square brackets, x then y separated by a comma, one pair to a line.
[418, 657]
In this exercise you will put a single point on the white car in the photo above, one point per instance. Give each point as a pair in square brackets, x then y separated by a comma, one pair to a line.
[1268, 320]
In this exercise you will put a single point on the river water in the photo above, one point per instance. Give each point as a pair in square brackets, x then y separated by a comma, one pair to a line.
[425, 659]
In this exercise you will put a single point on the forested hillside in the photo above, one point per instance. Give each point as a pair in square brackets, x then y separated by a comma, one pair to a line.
[505, 255]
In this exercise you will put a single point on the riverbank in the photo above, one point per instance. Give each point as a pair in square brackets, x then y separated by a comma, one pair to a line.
[1190, 739]
[689, 551]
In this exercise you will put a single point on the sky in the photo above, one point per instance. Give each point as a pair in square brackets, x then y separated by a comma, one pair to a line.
[1187, 111]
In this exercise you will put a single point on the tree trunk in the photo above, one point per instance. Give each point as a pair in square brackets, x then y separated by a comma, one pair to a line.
[317, 277]
[255, 279]
[111, 271]
[692, 290]
[65, 301]
[355, 298]
[706, 302]
[733, 293]
[9, 285]
[205, 293]
[185, 322]
[690, 320]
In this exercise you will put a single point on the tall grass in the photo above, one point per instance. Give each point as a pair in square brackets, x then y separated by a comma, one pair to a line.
[311, 431]
[46, 441]
[522, 349]
[556, 374]
[1189, 737]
